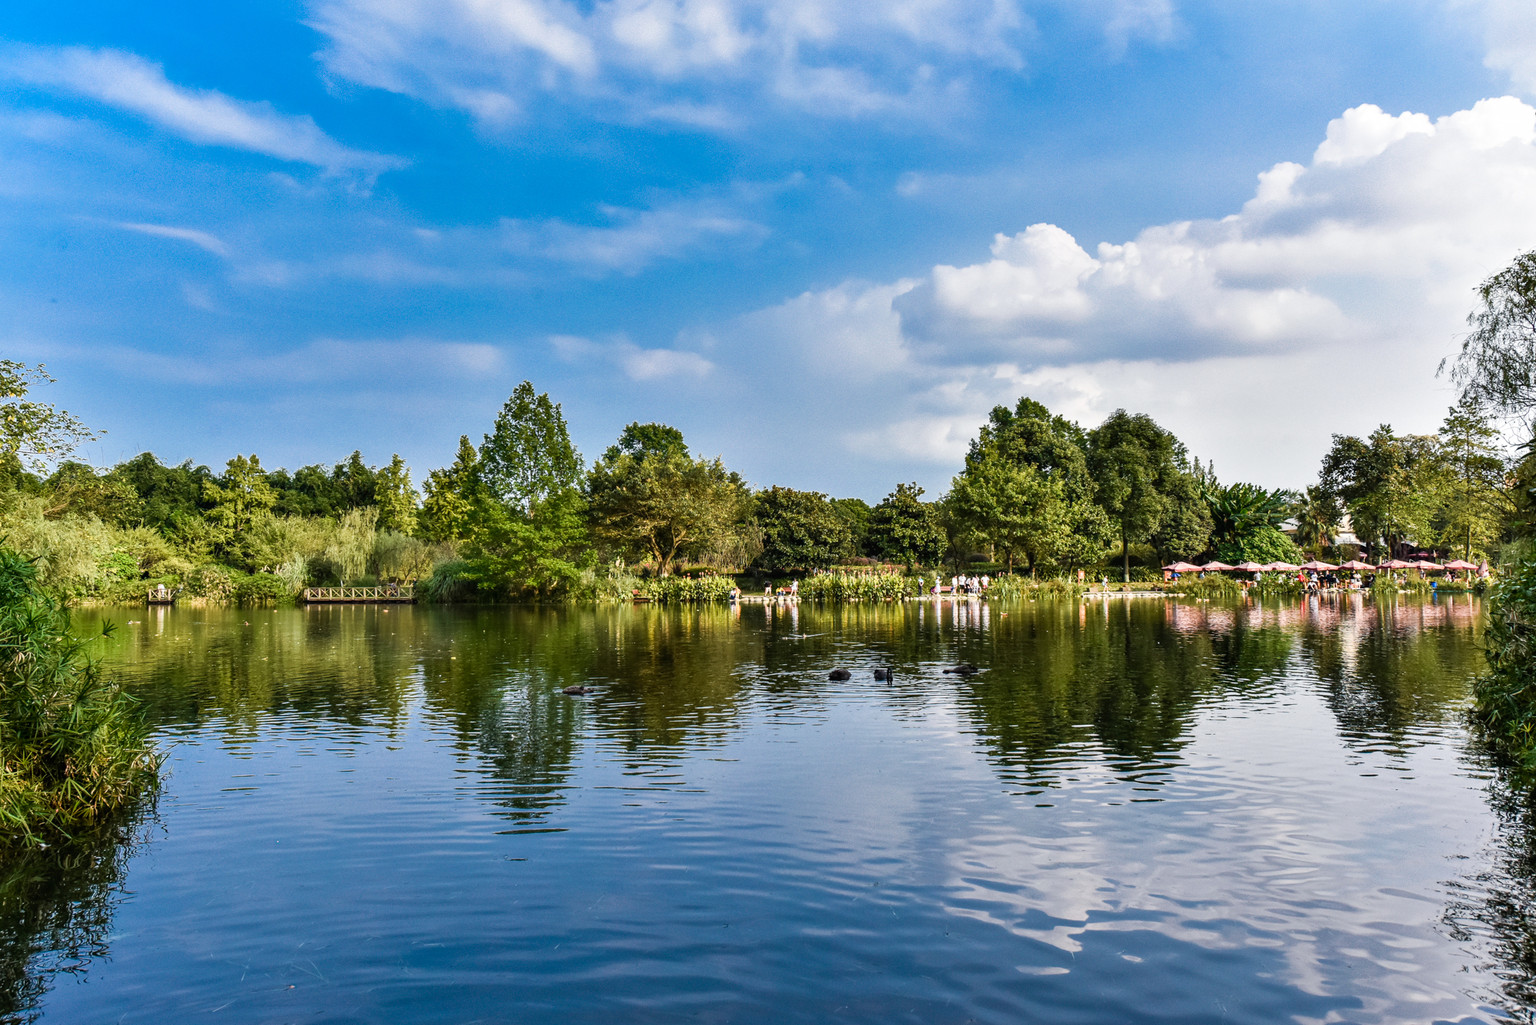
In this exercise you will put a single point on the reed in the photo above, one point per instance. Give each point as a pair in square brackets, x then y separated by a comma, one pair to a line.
[75, 749]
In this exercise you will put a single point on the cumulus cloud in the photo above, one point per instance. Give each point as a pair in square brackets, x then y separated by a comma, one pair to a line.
[1510, 32]
[1324, 304]
[132, 84]
[650, 59]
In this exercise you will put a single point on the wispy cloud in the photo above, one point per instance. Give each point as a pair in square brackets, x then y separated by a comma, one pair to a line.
[324, 363]
[634, 362]
[710, 64]
[132, 84]
[201, 239]
[631, 239]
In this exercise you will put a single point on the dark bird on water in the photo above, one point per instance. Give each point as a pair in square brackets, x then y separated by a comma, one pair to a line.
[577, 690]
[964, 670]
[885, 674]
[838, 674]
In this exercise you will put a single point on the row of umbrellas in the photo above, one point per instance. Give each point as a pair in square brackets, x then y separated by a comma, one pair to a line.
[1318, 566]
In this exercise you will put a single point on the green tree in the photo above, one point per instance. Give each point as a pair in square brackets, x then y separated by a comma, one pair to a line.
[655, 502]
[905, 529]
[1318, 517]
[1388, 482]
[238, 495]
[518, 499]
[1142, 477]
[79, 490]
[396, 497]
[1496, 367]
[452, 496]
[35, 433]
[1476, 501]
[801, 530]
[854, 512]
[352, 543]
[1026, 492]
[647, 439]
[528, 457]
[354, 484]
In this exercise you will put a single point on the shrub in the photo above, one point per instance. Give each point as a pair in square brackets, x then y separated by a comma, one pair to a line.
[684, 590]
[262, 589]
[451, 582]
[1506, 694]
[213, 584]
[75, 750]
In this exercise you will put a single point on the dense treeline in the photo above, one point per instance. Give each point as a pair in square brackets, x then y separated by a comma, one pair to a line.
[522, 515]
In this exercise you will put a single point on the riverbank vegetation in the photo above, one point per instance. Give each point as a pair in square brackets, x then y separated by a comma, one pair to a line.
[74, 752]
[521, 516]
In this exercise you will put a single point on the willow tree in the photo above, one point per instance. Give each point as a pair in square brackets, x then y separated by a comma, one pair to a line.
[1496, 367]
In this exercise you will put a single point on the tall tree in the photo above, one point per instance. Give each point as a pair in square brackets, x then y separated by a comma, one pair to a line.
[396, 497]
[452, 495]
[905, 529]
[1388, 484]
[801, 530]
[655, 502]
[528, 457]
[1496, 367]
[1141, 473]
[1026, 492]
[238, 494]
[1475, 501]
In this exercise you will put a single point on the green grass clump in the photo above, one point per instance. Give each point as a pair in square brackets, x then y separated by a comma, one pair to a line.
[685, 590]
[842, 588]
[73, 749]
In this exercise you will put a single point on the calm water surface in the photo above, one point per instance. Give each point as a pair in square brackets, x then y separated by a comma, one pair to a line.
[1138, 812]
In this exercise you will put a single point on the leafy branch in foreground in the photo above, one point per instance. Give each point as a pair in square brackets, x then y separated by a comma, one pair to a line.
[73, 747]
[1506, 695]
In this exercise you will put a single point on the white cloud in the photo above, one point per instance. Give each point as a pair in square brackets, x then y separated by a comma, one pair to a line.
[1323, 305]
[631, 240]
[130, 83]
[635, 363]
[1510, 33]
[201, 239]
[649, 59]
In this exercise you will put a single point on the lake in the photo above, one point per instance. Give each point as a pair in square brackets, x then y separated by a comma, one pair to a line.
[1137, 811]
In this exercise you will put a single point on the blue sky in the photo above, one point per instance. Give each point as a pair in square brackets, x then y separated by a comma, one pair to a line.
[821, 237]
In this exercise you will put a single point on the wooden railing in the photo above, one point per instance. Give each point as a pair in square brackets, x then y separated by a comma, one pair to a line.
[387, 593]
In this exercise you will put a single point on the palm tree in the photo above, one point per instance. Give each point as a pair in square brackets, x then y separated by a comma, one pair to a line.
[1317, 515]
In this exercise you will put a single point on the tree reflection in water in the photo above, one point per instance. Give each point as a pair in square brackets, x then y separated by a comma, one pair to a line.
[56, 909]
[1117, 681]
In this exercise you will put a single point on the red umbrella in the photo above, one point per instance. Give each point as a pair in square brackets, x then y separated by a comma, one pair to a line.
[1460, 564]
[1317, 565]
[1282, 567]
[1182, 567]
[1250, 567]
[1355, 564]
[1398, 564]
[1217, 567]
[1428, 566]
